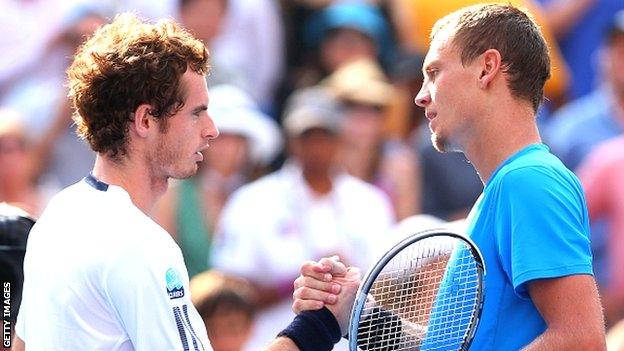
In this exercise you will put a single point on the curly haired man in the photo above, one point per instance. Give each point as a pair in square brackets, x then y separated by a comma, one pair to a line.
[99, 272]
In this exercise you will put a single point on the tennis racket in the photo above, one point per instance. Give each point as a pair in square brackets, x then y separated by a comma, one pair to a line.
[426, 293]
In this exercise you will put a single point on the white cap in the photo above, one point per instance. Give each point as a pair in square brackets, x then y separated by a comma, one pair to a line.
[313, 107]
[235, 112]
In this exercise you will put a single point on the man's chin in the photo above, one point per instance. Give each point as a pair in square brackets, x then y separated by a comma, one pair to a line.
[443, 145]
[185, 174]
[438, 143]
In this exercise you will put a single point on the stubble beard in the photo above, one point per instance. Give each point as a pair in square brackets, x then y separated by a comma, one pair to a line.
[443, 144]
[170, 161]
[438, 142]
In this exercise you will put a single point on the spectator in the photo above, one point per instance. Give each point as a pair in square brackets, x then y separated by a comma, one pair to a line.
[41, 99]
[341, 33]
[577, 127]
[226, 305]
[366, 151]
[306, 210]
[251, 42]
[578, 25]
[404, 117]
[18, 181]
[24, 40]
[206, 19]
[450, 185]
[601, 175]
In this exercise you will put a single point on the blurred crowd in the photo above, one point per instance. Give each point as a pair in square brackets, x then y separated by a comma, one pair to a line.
[321, 149]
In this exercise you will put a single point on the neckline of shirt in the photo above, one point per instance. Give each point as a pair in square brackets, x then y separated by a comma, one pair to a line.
[516, 155]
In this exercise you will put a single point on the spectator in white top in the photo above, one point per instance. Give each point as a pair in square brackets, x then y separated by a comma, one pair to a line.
[308, 209]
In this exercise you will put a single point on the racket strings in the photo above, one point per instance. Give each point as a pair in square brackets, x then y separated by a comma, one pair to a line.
[423, 299]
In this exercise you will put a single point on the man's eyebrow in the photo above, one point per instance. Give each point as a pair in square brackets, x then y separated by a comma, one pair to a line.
[429, 65]
[200, 108]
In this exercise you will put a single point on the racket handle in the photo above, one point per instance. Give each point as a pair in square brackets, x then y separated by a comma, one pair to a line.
[379, 331]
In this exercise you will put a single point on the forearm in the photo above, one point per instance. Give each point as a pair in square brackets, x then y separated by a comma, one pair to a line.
[549, 340]
[570, 325]
[553, 339]
[282, 344]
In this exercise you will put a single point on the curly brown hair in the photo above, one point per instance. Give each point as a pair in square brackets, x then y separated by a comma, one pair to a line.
[127, 63]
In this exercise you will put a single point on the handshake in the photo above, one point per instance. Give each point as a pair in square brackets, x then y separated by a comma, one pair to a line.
[327, 283]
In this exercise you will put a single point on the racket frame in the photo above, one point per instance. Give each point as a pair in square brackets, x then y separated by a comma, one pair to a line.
[371, 276]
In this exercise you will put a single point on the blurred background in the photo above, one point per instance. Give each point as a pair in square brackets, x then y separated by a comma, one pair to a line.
[322, 150]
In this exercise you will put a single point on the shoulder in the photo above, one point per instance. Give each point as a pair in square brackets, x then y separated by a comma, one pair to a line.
[69, 211]
[536, 159]
[70, 197]
[538, 173]
[146, 248]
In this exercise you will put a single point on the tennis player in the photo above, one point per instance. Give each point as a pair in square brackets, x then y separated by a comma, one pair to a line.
[484, 78]
[100, 274]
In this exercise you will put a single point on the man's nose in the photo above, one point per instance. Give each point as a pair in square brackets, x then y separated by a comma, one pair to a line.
[423, 98]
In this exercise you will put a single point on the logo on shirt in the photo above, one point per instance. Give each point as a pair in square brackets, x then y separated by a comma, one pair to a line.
[175, 289]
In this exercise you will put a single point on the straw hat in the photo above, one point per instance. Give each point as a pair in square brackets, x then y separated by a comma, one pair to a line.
[361, 81]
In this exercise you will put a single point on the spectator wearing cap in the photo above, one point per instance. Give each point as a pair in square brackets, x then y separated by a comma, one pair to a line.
[248, 141]
[367, 150]
[574, 134]
[308, 209]
[340, 33]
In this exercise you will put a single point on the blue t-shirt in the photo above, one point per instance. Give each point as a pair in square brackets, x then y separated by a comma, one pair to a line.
[530, 223]
[454, 305]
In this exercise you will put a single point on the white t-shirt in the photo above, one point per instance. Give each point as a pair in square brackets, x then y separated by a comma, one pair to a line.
[100, 274]
[270, 226]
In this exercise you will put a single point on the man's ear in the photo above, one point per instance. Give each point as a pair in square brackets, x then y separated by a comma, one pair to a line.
[490, 67]
[142, 120]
